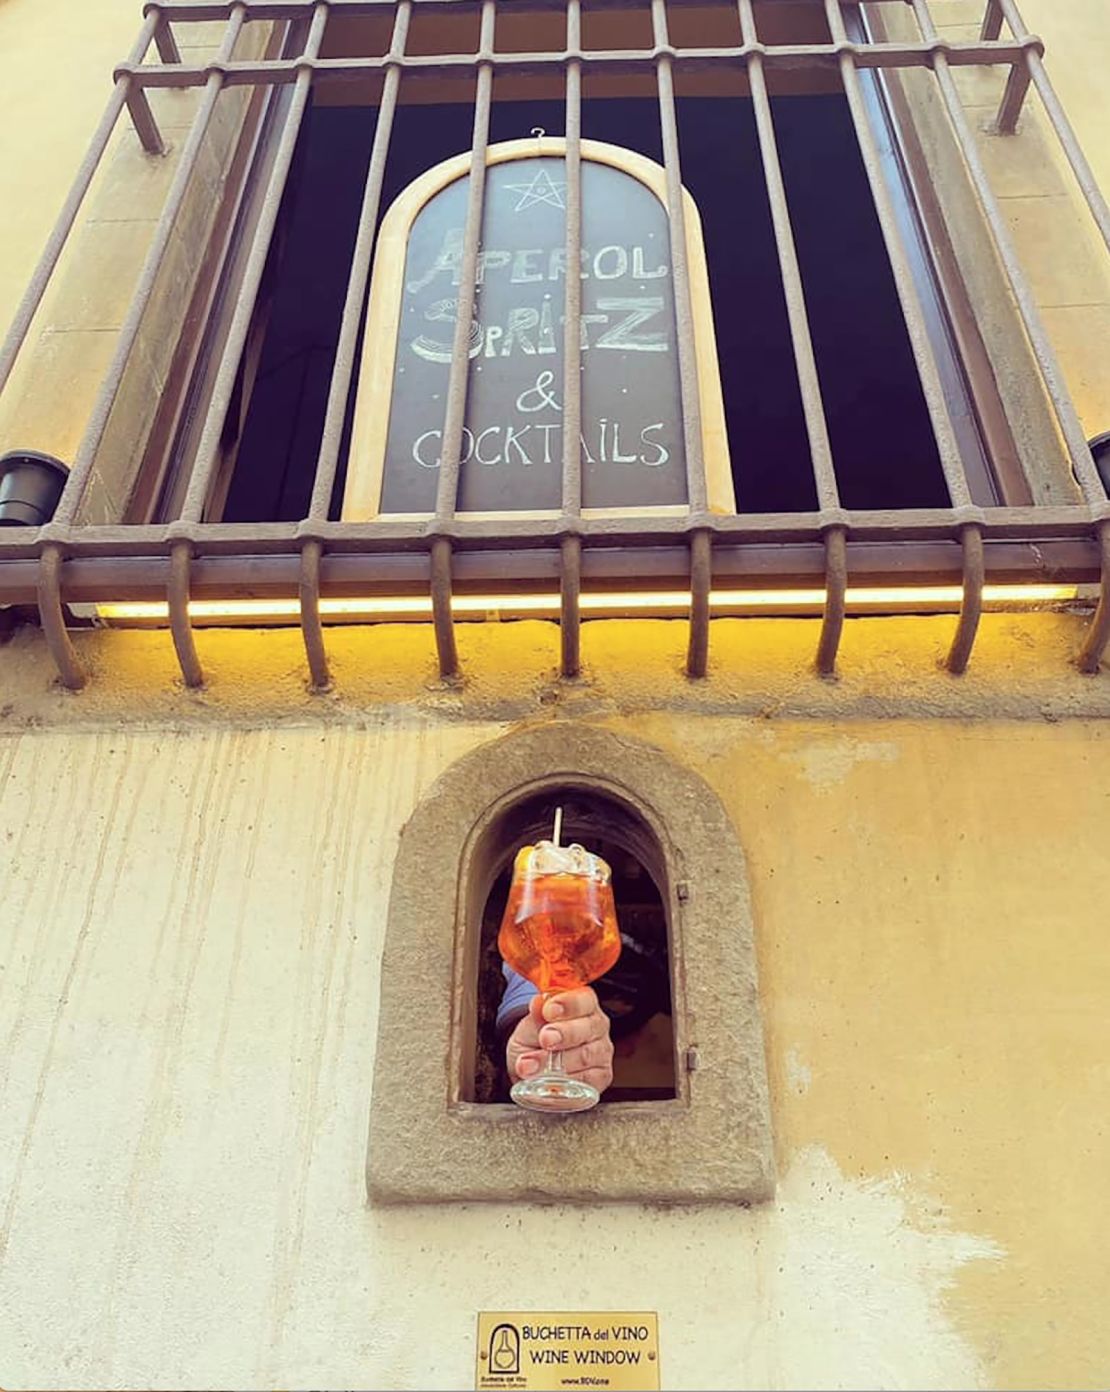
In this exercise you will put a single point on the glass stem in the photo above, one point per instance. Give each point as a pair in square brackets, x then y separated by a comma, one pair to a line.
[555, 1061]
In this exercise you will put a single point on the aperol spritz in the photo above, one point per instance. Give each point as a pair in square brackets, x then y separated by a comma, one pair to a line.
[560, 931]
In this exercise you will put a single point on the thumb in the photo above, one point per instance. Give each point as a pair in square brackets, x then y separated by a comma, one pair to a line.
[535, 1010]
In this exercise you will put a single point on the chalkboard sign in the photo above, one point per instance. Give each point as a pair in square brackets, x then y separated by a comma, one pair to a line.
[631, 445]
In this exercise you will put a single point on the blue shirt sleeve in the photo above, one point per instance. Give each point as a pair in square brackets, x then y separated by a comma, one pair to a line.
[518, 992]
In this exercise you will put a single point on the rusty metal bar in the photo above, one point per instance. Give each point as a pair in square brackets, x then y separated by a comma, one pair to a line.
[947, 447]
[177, 596]
[701, 584]
[1065, 132]
[142, 118]
[788, 57]
[183, 11]
[447, 485]
[1074, 436]
[308, 592]
[571, 550]
[836, 597]
[992, 22]
[570, 614]
[165, 41]
[208, 449]
[48, 595]
[128, 334]
[1013, 99]
[820, 450]
[1098, 632]
[339, 389]
[701, 557]
[971, 607]
[59, 234]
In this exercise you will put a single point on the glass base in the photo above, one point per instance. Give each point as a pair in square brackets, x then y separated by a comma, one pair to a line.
[554, 1092]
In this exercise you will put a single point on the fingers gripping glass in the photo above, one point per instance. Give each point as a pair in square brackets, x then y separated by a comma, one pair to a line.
[559, 931]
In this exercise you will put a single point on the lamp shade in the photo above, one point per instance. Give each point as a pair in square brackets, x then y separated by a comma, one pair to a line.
[30, 485]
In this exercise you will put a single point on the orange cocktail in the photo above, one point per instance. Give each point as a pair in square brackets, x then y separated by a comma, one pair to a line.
[560, 931]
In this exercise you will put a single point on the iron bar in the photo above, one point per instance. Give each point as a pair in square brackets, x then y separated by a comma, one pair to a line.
[308, 592]
[59, 234]
[836, 597]
[208, 449]
[164, 40]
[177, 598]
[571, 549]
[785, 57]
[339, 389]
[916, 329]
[750, 566]
[447, 485]
[696, 491]
[992, 22]
[1098, 631]
[127, 337]
[971, 607]
[48, 596]
[179, 11]
[805, 362]
[1013, 99]
[146, 127]
[1065, 132]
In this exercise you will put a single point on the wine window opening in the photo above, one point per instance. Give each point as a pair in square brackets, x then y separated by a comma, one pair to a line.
[636, 992]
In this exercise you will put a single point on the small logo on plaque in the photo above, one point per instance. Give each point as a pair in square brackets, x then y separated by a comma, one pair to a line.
[555, 1350]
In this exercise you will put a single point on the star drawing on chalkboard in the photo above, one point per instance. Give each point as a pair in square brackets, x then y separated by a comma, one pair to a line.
[542, 189]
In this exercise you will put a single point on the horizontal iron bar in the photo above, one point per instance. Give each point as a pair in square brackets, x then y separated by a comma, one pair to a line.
[793, 56]
[221, 538]
[190, 11]
[107, 579]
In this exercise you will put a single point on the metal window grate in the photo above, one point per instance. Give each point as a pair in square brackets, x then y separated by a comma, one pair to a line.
[317, 559]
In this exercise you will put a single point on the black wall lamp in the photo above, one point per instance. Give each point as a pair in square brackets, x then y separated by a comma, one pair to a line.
[30, 485]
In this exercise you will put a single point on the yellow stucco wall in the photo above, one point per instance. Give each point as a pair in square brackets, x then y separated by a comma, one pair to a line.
[191, 985]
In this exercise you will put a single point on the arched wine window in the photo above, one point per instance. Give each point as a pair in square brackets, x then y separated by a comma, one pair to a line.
[636, 993]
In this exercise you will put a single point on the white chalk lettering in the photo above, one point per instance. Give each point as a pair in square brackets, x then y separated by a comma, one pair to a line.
[636, 311]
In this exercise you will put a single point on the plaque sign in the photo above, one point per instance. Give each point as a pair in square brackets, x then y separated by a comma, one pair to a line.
[631, 443]
[557, 1350]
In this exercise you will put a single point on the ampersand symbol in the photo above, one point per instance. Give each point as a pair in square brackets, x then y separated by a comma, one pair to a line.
[540, 394]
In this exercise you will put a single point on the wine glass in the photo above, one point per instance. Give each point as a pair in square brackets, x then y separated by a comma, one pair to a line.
[560, 931]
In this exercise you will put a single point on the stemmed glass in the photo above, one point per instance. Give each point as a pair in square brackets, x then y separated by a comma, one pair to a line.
[560, 931]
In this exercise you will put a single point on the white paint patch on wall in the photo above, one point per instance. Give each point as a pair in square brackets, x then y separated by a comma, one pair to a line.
[191, 938]
[825, 763]
[799, 1076]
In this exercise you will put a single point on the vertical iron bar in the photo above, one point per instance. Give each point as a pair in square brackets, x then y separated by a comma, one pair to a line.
[339, 390]
[570, 584]
[701, 556]
[1065, 132]
[931, 385]
[208, 449]
[1098, 632]
[992, 22]
[81, 472]
[166, 42]
[458, 377]
[32, 297]
[142, 118]
[1013, 99]
[971, 605]
[58, 641]
[820, 450]
[200, 479]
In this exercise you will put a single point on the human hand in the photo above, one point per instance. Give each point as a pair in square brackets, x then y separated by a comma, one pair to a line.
[572, 1022]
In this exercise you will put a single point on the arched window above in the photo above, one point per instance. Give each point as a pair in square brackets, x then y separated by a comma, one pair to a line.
[431, 1141]
[631, 447]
